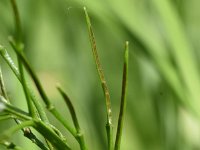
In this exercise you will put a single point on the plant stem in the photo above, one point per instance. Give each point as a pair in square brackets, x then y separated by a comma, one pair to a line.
[19, 47]
[18, 44]
[17, 112]
[64, 122]
[5, 117]
[109, 127]
[27, 132]
[17, 21]
[31, 108]
[2, 86]
[33, 75]
[10, 62]
[123, 99]
[15, 70]
[41, 91]
[50, 135]
[79, 135]
[8, 133]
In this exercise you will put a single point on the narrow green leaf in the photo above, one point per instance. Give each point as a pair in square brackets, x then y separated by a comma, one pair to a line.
[123, 99]
[5, 117]
[17, 21]
[80, 136]
[103, 81]
[8, 133]
[50, 135]
[13, 110]
[15, 70]
[102, 78]
[70, 106]
[2, 86]
[41, 91]
[33, 75]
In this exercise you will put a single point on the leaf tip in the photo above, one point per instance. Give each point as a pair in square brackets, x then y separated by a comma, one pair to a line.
[126, 50]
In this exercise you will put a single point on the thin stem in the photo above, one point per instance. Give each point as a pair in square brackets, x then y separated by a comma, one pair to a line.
[2, 86]
[103, 81]
[19, 45]
[8, 133]
[74, 118]
[64, 122]
[17, 21]
[17, 112]
[15, 70]
[27, 132]
[50, 135]
[13, 110]
[71, 108]
[57, 132]
[123, 99]
[33, 75]
[6, 117]
[4, 93]
[41, 112]
[31, 108]
[41, 91]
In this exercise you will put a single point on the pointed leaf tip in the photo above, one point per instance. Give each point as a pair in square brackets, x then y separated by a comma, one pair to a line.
[126, 51]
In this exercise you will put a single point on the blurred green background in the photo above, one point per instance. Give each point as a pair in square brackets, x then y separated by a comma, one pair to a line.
[163, 103]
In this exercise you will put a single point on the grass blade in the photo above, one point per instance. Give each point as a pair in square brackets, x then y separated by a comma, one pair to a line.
[103, 81]
[8, 133]
[123, 99]
[50, 135]
[15, 70]
[2, 86]
[41, 91]
[74, 118]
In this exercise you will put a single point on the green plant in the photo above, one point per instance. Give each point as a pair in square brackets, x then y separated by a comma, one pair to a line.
[36, 117]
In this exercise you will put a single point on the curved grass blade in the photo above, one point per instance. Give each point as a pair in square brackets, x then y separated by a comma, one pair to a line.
[80, 136]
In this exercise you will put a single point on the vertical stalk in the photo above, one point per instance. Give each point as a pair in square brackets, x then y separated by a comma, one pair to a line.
[31, 108]
[109, 127]
[15, 70]
[123, 99]
[19, 46]
[2, 86]
[17, 21]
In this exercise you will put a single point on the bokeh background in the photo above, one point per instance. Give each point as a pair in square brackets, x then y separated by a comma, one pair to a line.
[163, 102]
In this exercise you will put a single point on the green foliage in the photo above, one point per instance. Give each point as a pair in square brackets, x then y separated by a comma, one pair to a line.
[163, 90]
[36, 117]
